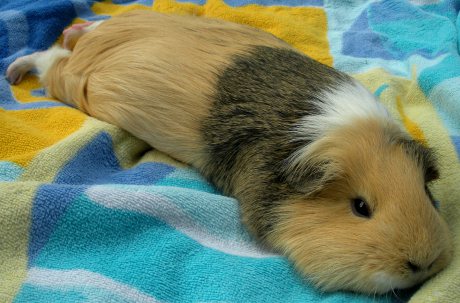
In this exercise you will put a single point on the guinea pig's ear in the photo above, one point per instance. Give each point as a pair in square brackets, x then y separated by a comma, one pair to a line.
[424, 156]
[309, 170]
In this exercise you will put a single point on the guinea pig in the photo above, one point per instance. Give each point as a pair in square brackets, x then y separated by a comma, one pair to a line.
[322, 172]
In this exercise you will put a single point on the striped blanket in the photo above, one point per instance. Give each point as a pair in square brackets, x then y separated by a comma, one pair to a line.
[89, 213]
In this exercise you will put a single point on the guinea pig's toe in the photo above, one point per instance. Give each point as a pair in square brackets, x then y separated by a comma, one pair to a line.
[13, 80]
[14, 75]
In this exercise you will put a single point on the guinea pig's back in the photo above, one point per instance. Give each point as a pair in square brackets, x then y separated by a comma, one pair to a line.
[155, 75]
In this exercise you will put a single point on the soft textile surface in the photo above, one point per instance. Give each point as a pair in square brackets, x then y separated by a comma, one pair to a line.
[90, 214]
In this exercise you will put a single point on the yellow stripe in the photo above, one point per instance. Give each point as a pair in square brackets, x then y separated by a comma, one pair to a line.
[411, 127]
[108, 8]
[305, 28]
[15, 219]
[23, 92]
[26, 132]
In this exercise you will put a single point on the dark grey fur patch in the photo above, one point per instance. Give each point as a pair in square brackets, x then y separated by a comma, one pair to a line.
[426, 159]
[424, 156]
[259, 99]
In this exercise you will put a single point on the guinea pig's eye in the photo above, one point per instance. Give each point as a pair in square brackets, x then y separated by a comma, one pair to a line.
[360, 208]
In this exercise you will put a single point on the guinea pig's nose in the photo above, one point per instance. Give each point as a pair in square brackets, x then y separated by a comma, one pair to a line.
[413, 267]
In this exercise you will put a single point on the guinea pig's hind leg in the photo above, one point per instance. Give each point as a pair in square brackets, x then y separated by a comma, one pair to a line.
[75, 31]
[40, 61]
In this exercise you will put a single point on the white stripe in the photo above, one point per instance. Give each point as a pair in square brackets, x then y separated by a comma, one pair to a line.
[79, 278]
[167, 211]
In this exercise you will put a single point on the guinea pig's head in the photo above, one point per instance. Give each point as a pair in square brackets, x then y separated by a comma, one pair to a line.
[364, 219]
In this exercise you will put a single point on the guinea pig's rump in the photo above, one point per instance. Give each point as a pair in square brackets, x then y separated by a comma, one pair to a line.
[155, 75]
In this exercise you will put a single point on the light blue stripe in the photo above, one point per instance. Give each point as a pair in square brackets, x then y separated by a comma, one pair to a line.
[445, 98]
[73, 283]
[83, 10]
[207, 218]
[32, 105]
[187, 178]
[9, 171]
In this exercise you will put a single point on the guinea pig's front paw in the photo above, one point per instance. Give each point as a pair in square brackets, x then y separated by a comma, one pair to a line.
[21, 66]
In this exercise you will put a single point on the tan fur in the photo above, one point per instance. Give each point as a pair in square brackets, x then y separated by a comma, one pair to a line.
[114, 70]
[342, 249]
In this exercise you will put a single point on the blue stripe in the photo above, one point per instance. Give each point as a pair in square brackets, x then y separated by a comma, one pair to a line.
[82, 8]
[456, 142]
[49, 205]
[130, 2]
[17, 29]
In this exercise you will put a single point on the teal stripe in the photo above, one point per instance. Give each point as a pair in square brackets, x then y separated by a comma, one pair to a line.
[187, 178]
[430, 77]
[380, 90]
[139, 250]
[36, 294]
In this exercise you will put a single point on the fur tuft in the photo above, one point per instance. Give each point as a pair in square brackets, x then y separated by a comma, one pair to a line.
[337, 108]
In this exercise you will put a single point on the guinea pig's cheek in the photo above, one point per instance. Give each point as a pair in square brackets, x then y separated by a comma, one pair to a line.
[385, 282]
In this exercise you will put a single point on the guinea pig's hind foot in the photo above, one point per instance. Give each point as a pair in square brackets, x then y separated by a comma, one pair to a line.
[21, 66]
[75, 31]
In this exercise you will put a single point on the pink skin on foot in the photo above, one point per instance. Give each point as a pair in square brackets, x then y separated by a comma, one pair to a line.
[73, 32]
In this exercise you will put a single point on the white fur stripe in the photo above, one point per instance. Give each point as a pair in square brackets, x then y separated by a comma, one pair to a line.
[166, 210]
[341, 107]
[52, 278]
[338, 108]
